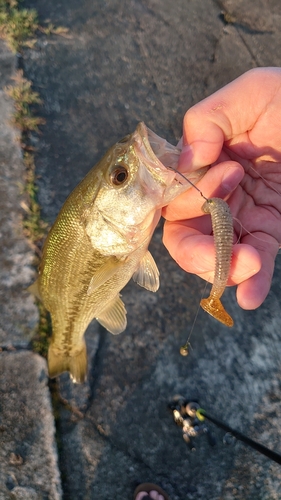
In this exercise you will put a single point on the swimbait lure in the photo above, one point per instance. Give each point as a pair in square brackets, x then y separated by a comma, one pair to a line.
[222, 224]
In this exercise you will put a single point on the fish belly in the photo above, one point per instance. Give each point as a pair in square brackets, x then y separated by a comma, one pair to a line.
[73, 309]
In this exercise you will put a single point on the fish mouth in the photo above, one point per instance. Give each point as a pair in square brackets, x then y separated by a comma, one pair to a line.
[159, 156]
[163, 158]
[158, 148]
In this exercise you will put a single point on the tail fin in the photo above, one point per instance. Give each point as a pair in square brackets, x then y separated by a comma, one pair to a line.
[215, 308]
[76, 365]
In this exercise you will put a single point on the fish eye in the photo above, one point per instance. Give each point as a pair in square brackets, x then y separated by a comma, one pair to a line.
[119, 175]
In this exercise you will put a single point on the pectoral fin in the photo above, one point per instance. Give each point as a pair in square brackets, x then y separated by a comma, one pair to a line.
[34, 289]
[147, 274]
[113, 317]
[104, 274]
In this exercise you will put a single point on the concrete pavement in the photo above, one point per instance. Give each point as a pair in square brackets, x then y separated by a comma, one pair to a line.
[122, 62]
[28, 453]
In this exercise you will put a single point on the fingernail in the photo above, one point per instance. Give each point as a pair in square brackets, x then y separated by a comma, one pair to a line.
[185, 158]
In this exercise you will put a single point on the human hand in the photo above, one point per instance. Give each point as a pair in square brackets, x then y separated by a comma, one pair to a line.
[237, 132]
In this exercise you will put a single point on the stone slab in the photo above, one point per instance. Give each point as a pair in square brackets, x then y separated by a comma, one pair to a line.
[122, 62]
[28, 455]
[18, 314]
[28, 460]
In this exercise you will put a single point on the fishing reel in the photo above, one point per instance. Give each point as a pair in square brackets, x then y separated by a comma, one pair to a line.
[186, 416]
[191, 418]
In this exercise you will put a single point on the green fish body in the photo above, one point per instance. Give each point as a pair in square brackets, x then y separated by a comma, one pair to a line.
[99, 241]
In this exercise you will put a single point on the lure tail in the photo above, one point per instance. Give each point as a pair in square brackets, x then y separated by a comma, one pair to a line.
[76, 365]
[215, 308]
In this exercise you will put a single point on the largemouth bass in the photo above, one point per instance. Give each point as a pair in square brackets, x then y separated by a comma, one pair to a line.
[100, 240]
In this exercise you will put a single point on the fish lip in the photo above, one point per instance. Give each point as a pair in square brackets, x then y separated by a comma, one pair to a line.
[143, 136]
[165, 157]
[148, 137]
[143, 131]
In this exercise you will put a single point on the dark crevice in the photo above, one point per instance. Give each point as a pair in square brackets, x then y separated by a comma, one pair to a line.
[242, 28]
[229, 19]
[96, 368]
[62, 428]
[54, 392]
[15, 347]
[248, 48]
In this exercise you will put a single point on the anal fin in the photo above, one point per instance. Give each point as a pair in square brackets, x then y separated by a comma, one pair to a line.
[34, 289]
[113, 317]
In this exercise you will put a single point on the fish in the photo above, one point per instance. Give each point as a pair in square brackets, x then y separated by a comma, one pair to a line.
[222, 224]
[100, 240]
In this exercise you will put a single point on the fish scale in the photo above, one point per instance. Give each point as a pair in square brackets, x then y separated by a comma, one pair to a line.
[100, 240]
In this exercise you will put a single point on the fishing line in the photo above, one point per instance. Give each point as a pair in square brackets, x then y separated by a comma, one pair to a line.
[191, 183]
[248, 232]
[272, 455]
[234, 218]
[268, 183]
[241, 228]
[184, 349]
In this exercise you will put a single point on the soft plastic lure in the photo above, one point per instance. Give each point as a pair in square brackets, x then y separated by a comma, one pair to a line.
[222, 224]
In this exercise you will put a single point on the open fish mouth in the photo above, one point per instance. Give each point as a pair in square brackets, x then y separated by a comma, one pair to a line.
[164, 158]
[157, 147]
[159, 157]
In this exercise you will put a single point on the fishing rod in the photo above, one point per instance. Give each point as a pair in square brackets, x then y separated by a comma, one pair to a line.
[272, 455]
[191, 418]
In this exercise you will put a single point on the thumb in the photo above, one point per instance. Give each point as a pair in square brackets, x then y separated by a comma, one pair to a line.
[202, 145]
[227, 114]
